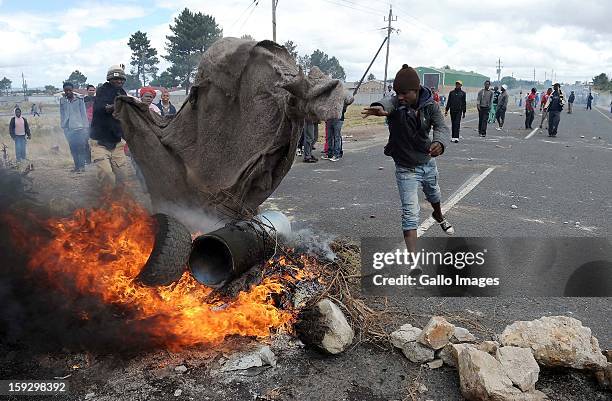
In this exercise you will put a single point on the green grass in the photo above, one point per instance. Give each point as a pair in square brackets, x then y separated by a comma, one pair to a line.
[352, 118]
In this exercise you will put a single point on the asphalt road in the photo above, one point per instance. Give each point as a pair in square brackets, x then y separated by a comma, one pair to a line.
[561, 187]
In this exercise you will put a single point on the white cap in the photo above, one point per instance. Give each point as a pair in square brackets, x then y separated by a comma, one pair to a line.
[505, 86]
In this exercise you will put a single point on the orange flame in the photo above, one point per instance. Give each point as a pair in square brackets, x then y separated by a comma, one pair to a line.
[102, 250]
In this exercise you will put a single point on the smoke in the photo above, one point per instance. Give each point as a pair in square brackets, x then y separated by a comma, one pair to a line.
[305, 240]
[193, 219]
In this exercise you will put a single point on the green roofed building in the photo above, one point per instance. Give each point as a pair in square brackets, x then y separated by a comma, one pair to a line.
[440, 78]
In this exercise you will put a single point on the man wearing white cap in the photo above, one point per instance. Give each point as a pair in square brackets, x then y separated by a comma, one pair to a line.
[106, 133]
[502, 104]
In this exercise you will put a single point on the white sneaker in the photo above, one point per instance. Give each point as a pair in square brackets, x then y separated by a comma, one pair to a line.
[497, 128]
[333, 159]
[325, 157]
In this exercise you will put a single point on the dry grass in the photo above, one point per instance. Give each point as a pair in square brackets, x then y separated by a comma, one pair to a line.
[352, 118]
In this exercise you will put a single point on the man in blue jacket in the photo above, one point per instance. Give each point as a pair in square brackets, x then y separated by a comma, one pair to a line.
[411, 115]
[74, 122]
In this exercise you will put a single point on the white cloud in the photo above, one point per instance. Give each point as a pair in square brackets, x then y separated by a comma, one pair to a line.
[570, 36]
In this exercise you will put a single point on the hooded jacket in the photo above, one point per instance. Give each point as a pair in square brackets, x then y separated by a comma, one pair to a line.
[409, 129]
[104, 127]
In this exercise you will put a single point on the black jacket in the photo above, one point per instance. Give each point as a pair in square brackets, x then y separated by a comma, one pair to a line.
[171, 109]
[409, 129]
[456, 101]
[26, 127]
[104, 127]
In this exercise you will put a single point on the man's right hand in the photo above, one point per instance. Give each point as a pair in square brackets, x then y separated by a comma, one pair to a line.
[374, 111]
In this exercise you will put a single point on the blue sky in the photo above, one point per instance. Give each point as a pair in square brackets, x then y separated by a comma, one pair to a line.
[571, 37]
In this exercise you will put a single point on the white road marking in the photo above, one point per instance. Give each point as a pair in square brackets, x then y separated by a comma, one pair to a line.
[600, 112]
[455, 198]
[532, 133]
[467, 121]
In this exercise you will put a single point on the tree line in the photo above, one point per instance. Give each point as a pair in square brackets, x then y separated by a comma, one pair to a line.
[192, 33]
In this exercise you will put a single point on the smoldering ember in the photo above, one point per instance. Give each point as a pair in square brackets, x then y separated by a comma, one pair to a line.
[230, 228]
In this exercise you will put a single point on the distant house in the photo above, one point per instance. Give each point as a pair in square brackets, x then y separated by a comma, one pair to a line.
[444, 78]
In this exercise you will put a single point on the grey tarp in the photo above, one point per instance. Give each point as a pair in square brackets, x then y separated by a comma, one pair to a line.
[234, 139]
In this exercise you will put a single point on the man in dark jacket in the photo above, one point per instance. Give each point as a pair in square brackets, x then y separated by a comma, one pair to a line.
[19, 130]
[457, 105]
[106, 134]
[555, 105]
[589, 101]
[484, 102]
[164, 105]
[570, 102]
[411, 115]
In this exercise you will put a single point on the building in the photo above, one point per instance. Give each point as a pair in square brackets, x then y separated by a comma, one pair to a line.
[369, 91]
[443, 80]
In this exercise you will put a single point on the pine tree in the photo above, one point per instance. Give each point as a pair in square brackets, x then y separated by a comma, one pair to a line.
[77, 79]
[144, 57]
[192, 35]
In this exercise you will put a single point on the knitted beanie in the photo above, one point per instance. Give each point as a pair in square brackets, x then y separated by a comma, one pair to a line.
[115, 71]
[406, 79]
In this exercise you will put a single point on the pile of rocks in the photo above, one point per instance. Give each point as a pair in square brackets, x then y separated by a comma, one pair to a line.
[508, 369]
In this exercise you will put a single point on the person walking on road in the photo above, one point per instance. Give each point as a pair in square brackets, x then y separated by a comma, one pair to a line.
[412, 114]
[106, 133]
[530, 105]
[554, 106]
[74, 122]
[457, 105]
[309, 137]
[19, 130]
[543, 108]
[502, 105]
[483, 104]
[570, 102]
[493, 110]
[589, 105]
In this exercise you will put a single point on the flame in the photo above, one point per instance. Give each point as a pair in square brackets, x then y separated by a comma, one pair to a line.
[100, 251]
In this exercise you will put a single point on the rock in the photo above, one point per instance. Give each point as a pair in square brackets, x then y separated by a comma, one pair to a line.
[89, 396]
[405, 334]
[490, 347]
[435, 364]
[325, 327]
[604, 376]
[461, 335]
[241, 361]
[437, 333]
[423, 388]
[418, 353]
[450, 353]
[556, 341]
[608, 354]
[514, 207]
[381, 168]
[581, 136]
[178, 392]
[520, 366]
[482, 378]
[181, 369]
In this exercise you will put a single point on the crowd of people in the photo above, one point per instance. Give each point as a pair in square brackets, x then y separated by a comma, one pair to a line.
[93, 135]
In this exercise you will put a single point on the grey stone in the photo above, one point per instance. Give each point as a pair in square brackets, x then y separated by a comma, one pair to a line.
[490, 347]
[181, 369]
[557, 341]
[89, 396]
[437, 333]
[520, 366]
[418, 353]
[178, 392]
[405, 334]
[241, 361]
[450, 353]
[462, 335]
[604, 376]
[435, 364]
[482, 378]
[339, 334]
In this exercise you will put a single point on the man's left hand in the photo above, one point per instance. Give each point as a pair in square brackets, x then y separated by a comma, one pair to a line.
[436, 149]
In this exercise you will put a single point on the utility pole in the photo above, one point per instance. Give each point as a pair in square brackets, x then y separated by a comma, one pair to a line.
[534, 78]
[389, 29]
[499, 66]
[24, 85]
[274, 4]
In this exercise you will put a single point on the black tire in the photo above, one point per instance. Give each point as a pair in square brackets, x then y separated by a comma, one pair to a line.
[171, 250]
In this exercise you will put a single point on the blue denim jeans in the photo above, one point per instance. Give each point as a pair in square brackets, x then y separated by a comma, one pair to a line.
[334, 137]
[20, 147]
[77, 141]
[408, 181]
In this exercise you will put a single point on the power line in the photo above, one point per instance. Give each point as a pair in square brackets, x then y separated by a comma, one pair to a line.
[243, 12]
[249, 16]
[351, 7]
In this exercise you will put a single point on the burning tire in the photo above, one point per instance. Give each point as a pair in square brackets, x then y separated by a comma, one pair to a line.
[170, 253]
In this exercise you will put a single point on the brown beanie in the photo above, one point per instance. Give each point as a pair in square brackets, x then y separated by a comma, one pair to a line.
[406, 79]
